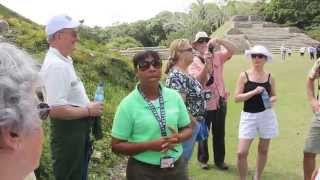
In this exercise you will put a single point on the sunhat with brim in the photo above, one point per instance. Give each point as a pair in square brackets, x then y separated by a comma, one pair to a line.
[258, 49]
[201, 35]
[60, 22]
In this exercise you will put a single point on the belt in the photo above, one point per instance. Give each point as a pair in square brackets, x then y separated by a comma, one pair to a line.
[176, 163]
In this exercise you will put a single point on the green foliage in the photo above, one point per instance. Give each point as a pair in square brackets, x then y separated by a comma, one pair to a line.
[299, 13]
[45, 170]
[94, 61]
[123, 43]
[314, 33]
[303, 14]
[167, 26]
[26, 35]
[5, 13]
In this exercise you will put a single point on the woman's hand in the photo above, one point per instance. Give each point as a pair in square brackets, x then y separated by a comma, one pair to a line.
[173, 139]
[259, 89]
[159, 144]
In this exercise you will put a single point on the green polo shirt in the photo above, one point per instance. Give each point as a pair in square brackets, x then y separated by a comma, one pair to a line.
[135, 123]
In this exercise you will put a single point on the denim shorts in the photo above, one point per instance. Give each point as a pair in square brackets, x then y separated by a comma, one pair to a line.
[189, 144]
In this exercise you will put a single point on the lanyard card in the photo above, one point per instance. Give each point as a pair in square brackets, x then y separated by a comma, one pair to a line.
[167, 162]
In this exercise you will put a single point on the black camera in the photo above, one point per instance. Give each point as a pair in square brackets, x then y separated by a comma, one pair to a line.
[210, 81]
[210, 48]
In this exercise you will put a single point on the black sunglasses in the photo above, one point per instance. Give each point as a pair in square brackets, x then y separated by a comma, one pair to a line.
[43, 108]
[260, 56]
[202, 40]
[144, 65]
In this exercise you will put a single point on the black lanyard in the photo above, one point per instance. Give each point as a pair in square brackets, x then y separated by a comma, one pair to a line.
[161, 118]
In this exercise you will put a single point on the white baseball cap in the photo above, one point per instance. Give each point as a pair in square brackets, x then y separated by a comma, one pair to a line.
[60, 22]
[258, 49]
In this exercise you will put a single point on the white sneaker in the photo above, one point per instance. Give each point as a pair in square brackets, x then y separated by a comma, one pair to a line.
[204, 165]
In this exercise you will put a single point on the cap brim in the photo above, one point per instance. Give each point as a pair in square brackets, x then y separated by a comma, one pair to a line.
[248, 54]
[73, 24]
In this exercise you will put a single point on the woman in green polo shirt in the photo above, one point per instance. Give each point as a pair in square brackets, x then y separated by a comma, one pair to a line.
[149, 125]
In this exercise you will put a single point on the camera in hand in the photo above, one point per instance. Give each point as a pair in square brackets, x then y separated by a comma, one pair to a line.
[210, 48]
[210, 81]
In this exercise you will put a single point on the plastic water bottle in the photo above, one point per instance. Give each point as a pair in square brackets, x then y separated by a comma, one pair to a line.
[98, 97]
[266, 99]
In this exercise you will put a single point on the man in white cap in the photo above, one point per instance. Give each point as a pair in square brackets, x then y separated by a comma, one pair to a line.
[71, 111]
[312, 144]
[207, 67]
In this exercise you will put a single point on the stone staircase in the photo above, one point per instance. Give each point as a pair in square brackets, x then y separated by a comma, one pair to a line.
[273, 38]
[162, 51]
[267, 34]
[247, 31]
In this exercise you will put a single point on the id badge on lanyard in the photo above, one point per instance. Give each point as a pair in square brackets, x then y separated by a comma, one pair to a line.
[166, 161]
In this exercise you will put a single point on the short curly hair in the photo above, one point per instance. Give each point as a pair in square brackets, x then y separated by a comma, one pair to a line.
[18, 81]
[143, 55]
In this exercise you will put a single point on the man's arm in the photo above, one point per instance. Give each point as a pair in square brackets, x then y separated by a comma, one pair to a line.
[198, 70]
[68, 112]
[229, 47]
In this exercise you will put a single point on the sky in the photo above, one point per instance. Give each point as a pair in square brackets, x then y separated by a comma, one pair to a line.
[96, 12]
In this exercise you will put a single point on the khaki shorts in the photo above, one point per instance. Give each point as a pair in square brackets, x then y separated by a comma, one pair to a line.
[312, 144]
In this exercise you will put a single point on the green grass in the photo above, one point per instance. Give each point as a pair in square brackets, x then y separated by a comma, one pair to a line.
[293, 112]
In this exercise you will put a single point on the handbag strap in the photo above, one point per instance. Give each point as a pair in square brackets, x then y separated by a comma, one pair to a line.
[318, 89]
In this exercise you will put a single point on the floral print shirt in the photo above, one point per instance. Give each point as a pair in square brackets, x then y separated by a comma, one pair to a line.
[195, 97]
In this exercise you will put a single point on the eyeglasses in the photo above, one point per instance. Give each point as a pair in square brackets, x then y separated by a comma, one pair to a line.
[260, 56]
[202, 40]
[184, 50]
[145, 65]
[42, 107]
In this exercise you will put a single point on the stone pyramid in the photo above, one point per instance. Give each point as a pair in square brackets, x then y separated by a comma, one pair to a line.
[247, 31]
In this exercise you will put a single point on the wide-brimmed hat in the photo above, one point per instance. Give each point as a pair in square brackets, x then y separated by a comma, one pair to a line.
[201, 35]
[258, 49]
[60, 22]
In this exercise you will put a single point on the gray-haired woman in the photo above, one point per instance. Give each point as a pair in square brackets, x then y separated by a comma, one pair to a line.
[21, 134]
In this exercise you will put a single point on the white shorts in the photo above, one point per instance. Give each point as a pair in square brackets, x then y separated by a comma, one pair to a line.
[262, 124]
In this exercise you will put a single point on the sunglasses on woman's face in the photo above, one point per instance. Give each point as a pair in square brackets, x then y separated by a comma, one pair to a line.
[260, 56]
[145, 65]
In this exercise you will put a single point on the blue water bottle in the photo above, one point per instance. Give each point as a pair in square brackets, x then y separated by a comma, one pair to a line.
[266, 99]
[98, 97]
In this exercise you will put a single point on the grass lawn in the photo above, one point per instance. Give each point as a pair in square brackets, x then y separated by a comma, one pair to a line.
[293, 112]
